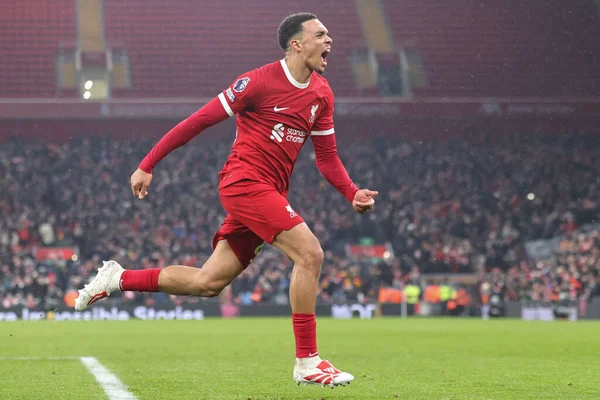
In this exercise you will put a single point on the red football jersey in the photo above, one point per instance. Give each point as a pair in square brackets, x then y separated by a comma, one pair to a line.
[275, 116]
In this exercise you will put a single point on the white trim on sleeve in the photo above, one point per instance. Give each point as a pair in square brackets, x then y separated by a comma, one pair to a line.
[228, 109]
[322, 133]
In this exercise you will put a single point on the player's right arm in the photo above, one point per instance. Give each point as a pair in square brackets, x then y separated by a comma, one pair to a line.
[242, 93]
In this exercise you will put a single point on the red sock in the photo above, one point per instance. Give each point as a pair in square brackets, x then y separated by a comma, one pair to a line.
[143, 280]
[305, 331]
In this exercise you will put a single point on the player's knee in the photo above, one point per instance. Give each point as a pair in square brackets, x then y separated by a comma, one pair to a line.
[312, 257]
[213, 290]
[207, 290]
[205, 287]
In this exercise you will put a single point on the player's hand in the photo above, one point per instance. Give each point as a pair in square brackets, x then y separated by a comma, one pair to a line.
[364, 200]
[140, 181]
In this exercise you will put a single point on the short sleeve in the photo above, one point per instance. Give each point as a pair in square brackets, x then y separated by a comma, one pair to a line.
[324, 124]
[243, 93]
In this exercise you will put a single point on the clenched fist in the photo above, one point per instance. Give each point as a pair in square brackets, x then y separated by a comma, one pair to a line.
[140, 181]
[364, 200]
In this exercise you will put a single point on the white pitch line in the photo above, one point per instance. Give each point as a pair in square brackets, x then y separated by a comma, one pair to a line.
[114, 388]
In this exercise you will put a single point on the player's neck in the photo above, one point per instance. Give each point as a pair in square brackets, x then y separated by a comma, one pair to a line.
[298, 69]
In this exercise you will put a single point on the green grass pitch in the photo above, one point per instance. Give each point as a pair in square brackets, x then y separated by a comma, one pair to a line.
[391, 358]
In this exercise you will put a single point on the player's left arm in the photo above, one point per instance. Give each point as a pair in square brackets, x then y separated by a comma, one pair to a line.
[332, 168]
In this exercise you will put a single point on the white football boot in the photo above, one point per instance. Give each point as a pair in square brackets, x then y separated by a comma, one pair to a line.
[104, 283]
[323, 373]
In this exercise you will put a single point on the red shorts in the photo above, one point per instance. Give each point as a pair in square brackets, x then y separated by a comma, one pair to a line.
[256, 213]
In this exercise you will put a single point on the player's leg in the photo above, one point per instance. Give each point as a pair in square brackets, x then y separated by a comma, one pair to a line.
[268, 214]
[301, 246]
[304, 249]
[220, 269]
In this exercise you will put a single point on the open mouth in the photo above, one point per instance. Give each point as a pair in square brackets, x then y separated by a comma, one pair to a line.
[324, 56]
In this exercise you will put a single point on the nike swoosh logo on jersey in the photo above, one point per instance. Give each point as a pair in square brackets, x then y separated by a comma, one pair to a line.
[276, 109]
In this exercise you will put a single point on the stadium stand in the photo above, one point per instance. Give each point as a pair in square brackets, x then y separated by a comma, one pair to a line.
[453, 207]
[474, 48]
[467, 49]
[182, 51]
[31, 33]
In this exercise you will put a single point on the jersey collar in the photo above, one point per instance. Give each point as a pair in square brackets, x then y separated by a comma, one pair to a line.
[290, 78]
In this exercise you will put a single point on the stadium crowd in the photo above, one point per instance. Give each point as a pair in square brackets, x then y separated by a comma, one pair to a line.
[569, 273]
[460, 206]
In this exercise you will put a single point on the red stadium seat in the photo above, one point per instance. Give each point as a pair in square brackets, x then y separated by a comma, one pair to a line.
[30, 34]
[180, 50]
[475, 48]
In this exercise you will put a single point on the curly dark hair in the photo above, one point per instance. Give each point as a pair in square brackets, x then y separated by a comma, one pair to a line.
[291, 26]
